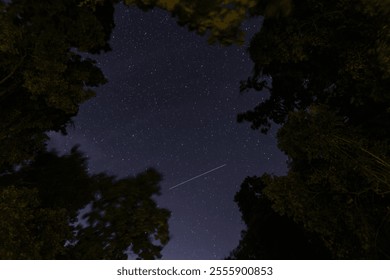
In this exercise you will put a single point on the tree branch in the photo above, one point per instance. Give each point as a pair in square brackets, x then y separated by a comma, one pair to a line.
[13, 71]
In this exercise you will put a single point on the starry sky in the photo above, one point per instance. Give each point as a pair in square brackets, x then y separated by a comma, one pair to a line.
[171, 103]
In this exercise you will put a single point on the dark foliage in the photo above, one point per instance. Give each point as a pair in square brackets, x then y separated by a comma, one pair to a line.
[325, 66]
[41, 219]
[270, 235]
[43, 79]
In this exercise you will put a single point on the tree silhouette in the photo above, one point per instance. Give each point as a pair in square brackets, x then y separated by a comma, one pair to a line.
[43, 79]
[325, 66]
[336, 185]
[219, 20]
[270, 235]
[324, 52]
[40, 216]
[27, 230]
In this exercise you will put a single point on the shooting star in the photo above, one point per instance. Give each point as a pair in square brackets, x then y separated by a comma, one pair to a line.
[175, 186]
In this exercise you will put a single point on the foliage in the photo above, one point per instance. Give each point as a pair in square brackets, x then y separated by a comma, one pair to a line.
[62, 181]
[268, 234]
[27, 230]
[43, 78]
[330, 52]
[336, 186]
[123, 218]
[219, 20]
[40, 217]
[325, 66]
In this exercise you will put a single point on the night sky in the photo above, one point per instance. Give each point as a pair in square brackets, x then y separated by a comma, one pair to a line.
[171, 103]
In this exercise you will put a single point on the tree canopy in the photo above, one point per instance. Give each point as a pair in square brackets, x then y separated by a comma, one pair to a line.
[219, 19]
[325, 67]
[324, 52]
[27, 230]
[43, 77]
[268, 234]
[41, 216]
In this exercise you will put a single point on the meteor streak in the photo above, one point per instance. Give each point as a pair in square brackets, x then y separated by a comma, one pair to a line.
[175, 186]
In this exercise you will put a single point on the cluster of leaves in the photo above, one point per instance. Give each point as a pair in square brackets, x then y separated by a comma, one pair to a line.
[43, 79]
[324, 52]
[325, 65]
[220, 20]
[336, 185]
[41, 219]
[268, 234]
[28, 231]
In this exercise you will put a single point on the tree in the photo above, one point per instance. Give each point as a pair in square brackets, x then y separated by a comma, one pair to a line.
[219, 20]
[43, 78]
[27, 230]
[41, 215]
[325, 66]
[270, 235]
[336, 186]
[324, 52]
